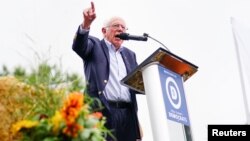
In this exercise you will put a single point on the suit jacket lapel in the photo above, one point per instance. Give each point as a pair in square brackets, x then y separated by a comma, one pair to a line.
[126, 61]
[105, 50]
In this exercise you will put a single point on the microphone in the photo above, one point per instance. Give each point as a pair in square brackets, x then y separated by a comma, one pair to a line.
[126, 36]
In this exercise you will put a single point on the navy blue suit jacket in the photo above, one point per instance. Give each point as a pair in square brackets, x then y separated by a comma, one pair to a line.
[95, 56]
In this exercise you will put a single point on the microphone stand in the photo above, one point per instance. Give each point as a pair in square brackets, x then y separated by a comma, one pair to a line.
[146, 35]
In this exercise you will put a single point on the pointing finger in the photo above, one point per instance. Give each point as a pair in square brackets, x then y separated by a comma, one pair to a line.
[92, 6]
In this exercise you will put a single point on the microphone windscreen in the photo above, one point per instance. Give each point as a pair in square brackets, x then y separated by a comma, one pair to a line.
[123, 36]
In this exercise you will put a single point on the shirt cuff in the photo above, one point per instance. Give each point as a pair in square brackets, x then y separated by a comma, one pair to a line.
[82, 31]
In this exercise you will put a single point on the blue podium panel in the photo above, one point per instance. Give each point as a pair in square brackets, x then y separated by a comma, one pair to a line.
[174, 96]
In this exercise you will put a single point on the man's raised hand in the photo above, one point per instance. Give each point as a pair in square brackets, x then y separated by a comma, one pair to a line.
[89, 16]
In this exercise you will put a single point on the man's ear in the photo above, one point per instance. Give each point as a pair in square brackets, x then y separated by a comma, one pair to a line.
[104, 30]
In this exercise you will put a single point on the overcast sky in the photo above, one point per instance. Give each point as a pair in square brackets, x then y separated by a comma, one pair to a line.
[196, 30]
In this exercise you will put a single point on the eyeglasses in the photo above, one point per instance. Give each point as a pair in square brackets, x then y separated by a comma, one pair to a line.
[117, 26]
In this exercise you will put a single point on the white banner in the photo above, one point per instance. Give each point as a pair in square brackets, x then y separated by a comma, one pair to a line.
[241, 33]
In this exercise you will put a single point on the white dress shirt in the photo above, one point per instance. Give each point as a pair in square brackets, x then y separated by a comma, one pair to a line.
[114, 91]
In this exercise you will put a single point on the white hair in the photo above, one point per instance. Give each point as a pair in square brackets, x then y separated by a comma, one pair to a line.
[110, 20]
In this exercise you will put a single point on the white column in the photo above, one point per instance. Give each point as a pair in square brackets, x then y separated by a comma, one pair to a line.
[162, 128]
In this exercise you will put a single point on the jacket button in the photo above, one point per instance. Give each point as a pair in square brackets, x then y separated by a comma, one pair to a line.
[105, 81]
[99, 92]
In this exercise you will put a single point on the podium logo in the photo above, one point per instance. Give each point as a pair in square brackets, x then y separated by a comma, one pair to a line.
[174, 97]
[173, 93]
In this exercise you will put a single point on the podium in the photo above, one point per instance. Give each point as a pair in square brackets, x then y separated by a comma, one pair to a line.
[160, 77]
